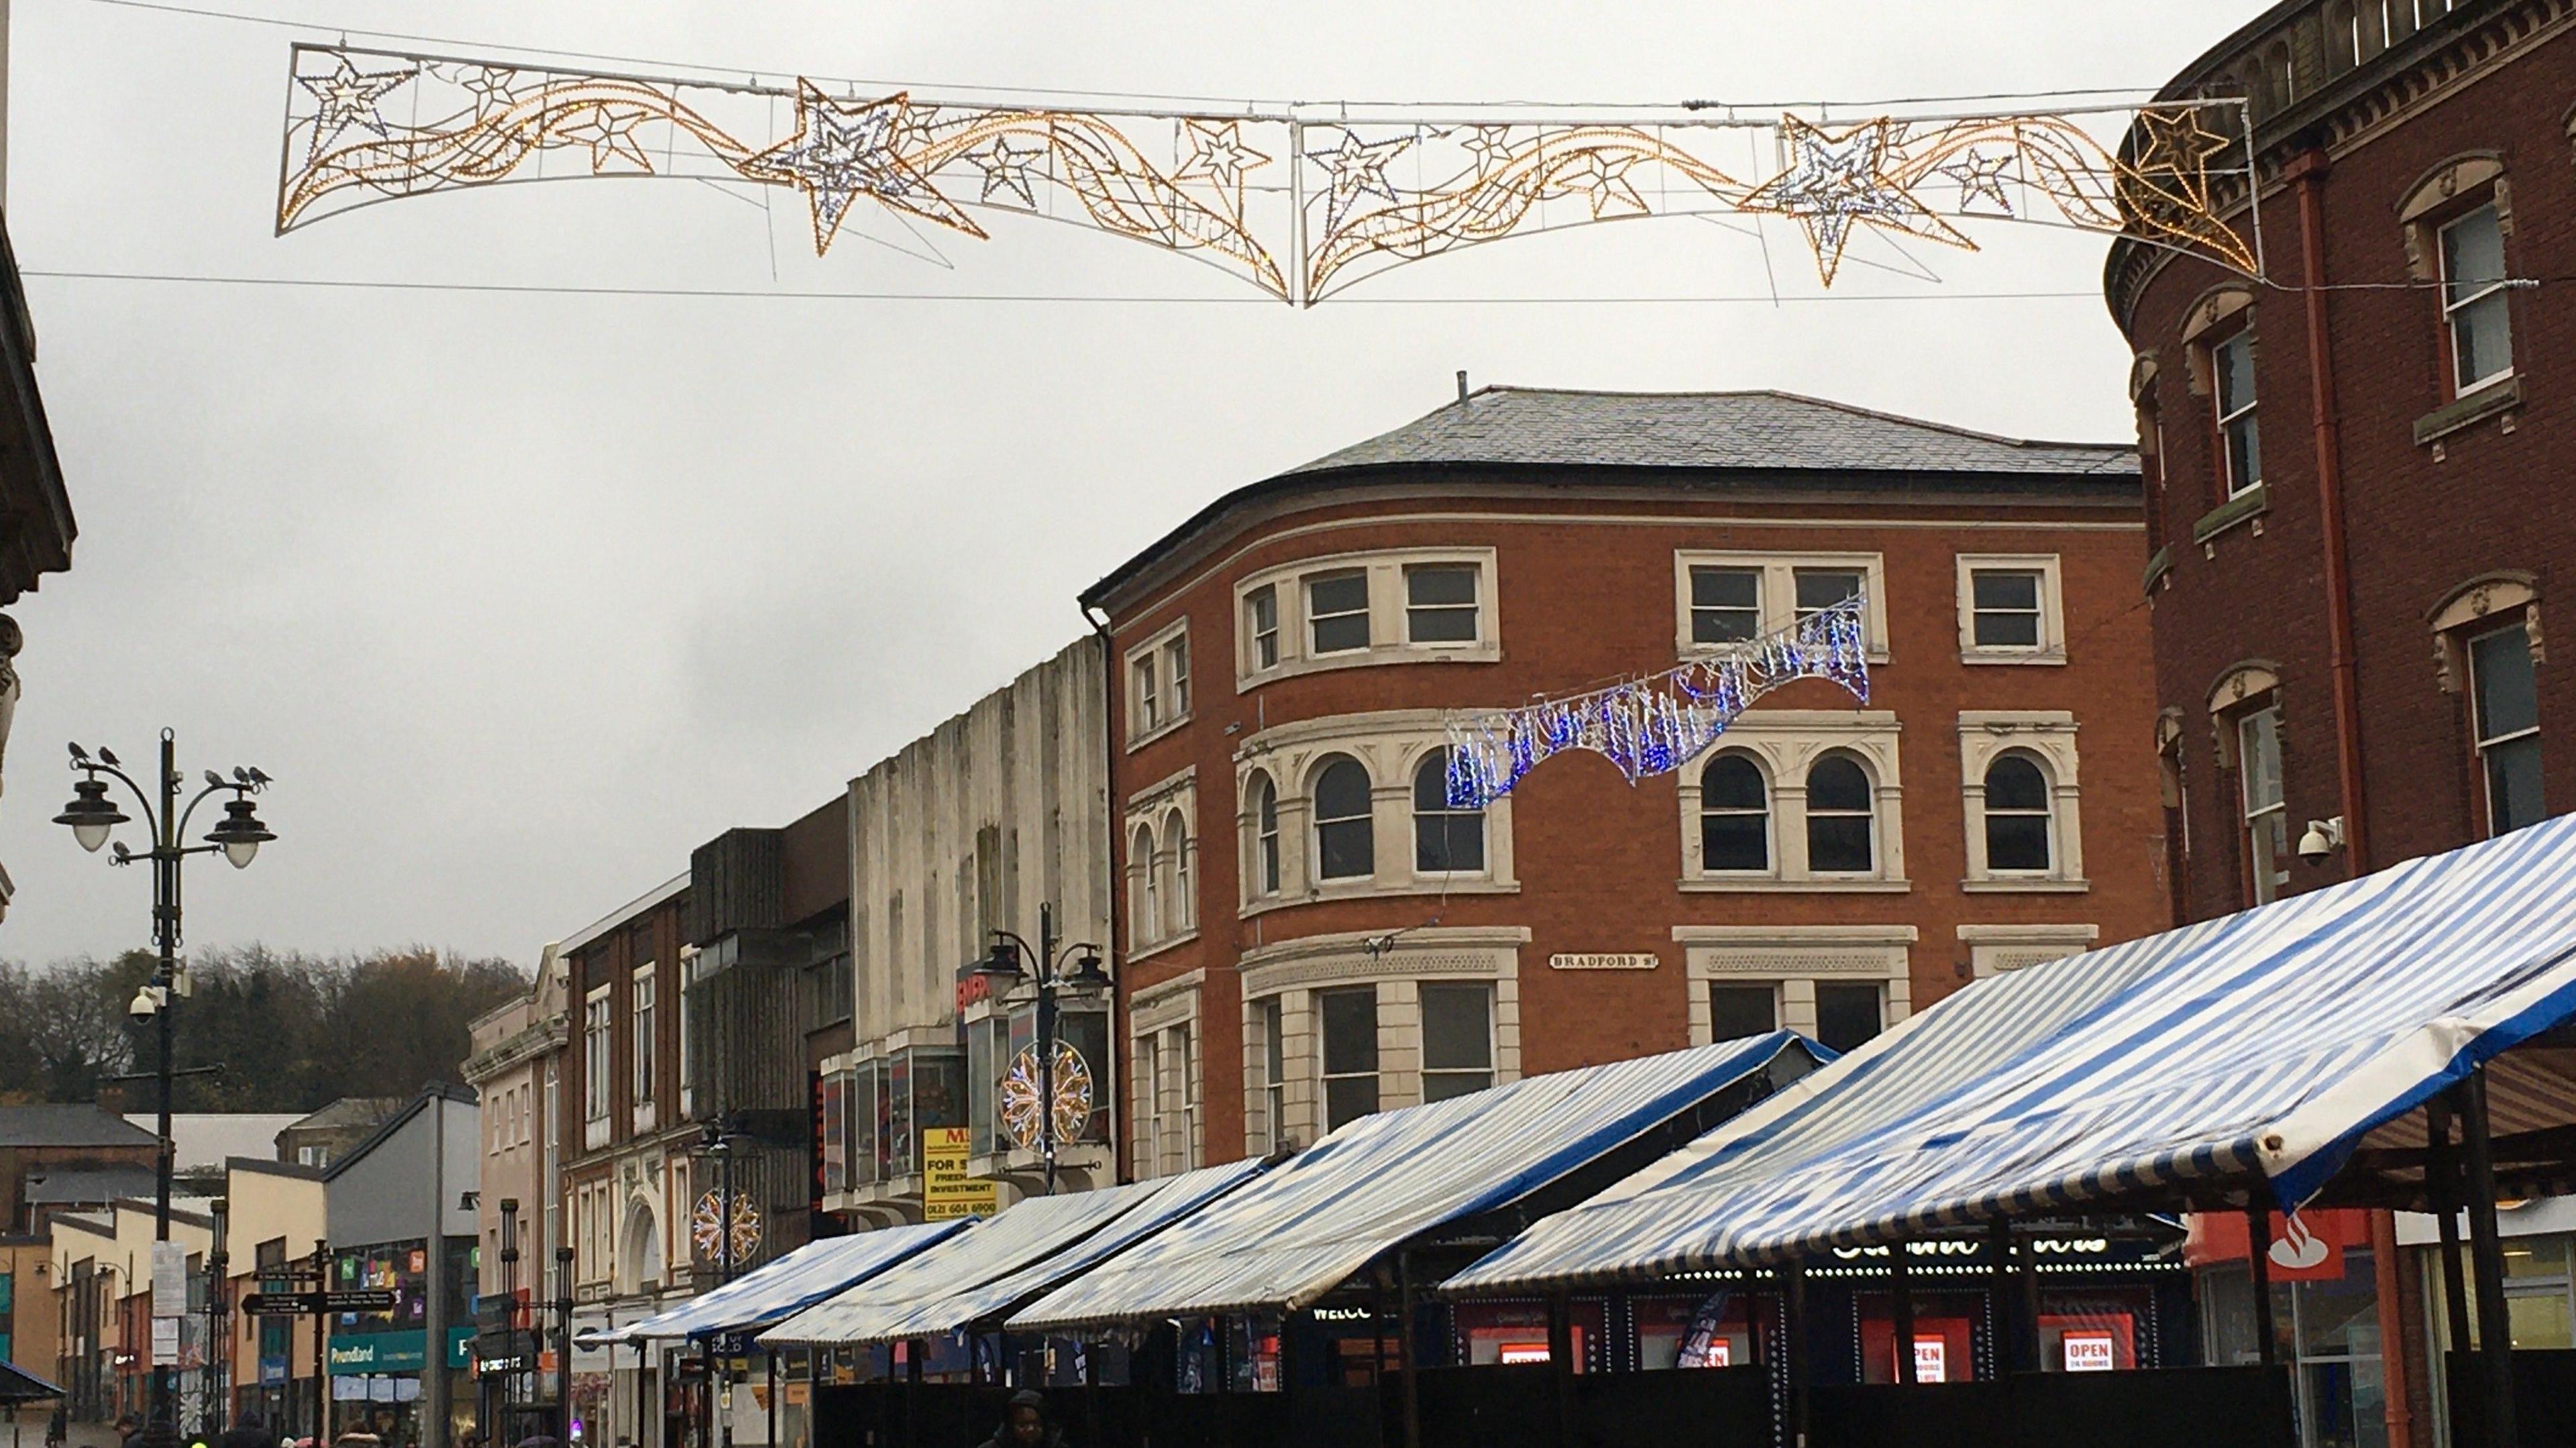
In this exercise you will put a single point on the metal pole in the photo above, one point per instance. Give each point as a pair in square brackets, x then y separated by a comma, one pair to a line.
[218, 1384]
[321, 1354]
[1999, 1303]
[563, 1346]
[1793, 1333]
[2027, 1262]
[2486, 1255]
[1900, 1282]
[2442, 1187]
[433, 1358]
[1560, 1360]
[1411, 1386]
[165, 934]
[1046, 1038]
[509, 1385]
[2258, 1257]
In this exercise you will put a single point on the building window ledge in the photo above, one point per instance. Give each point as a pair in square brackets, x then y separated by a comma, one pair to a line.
[2469, 411]
[1158, 731]
[1373, 655]
[2159, 564]
[2027, 656]
[1417, 885]
[2010, 885]
[1718, 884]
[1142, 952]
[2252, 503]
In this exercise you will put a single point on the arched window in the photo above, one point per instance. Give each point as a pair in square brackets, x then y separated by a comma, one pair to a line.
[1265, 835]
[1345, 844]
[1734, 815]
[2017, 815]
[1446, 840]
[1180, 900]
[1839, 818]
[1147, 906]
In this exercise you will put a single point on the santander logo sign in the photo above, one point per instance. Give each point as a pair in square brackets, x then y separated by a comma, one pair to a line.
[2297, 1248]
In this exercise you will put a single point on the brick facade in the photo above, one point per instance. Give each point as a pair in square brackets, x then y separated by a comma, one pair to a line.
[1584, 588]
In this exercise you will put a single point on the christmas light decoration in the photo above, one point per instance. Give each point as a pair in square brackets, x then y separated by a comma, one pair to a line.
[1300, 201]
[1656, 725]
[1021, 1093]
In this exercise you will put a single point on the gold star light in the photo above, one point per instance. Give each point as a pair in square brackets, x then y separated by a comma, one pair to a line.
[348, 98]
[2175, 153]
[609, 131]
[1218, 155]
[1603, 182]
[1835, 180]
[840, 153]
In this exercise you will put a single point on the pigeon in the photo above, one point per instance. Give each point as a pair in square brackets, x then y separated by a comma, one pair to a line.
[79, 755]
[107, 756]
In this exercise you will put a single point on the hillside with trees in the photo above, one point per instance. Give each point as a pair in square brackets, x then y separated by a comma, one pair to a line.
[291, 1032]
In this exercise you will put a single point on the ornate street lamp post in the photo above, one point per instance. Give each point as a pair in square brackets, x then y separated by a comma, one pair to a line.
[1003, 968]
[92, 815]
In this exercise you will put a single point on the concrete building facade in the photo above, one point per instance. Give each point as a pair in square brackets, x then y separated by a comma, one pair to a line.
[999, 813]
[516, 1071]
[1308, 932]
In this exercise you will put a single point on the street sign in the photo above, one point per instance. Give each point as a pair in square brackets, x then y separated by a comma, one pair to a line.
[291, 1304]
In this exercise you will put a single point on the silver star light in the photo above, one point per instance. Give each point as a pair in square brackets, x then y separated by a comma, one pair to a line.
[1833, 182]
[348, 98]
[840, 153]
[1358, 169]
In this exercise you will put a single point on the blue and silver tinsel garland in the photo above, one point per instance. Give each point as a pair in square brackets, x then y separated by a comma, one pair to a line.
[1657, 725]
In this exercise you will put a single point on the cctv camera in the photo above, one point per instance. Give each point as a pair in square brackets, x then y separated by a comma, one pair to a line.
[145, 1005]
[2322, 839]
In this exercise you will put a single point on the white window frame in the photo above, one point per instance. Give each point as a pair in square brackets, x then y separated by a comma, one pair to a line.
[1474, 605]
[1388, 745]
[1428, 1070]
[1291, 972]
[1154, 706]
[1691, 605]
[1163, 1043]
[2480, 742]
[1700, 812]
[2051, 649]
[1261, 650]
[1785, 744]
[1795, 959]
[2248, 813]
[643, 1061]
[598, 1035]
[1413, 817]
[2226, 419]
[1162, 885]
[1266, 852]
[1779, 592]
[1389, 635]
[2048, 736]
[2452, 308]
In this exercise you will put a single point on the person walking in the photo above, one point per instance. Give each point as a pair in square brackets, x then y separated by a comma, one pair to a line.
[1025, 1425]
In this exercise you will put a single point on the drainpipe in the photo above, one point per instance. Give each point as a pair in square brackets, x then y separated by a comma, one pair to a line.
[2307, 173]
[1109, 681]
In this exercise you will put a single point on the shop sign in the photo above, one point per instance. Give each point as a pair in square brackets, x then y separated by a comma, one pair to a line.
[2305, 1246]
[402, 1351]
[1931, 1360]
[1646, 961]
[272, 1371]
[947, 1193]
[169, 1283]
[2090, 1352]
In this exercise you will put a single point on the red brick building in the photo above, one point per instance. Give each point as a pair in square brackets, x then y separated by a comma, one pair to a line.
[1307, 932]
[2356, 507]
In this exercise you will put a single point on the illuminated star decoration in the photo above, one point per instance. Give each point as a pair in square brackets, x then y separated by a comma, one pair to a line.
[840, 153]
[1006, 169]
[2176, 151]
[492, 87]
[1834, 181]
[1359, 169]
[348, 96]
[1490, 145]
[1217, 153]
[609, 131]
[1603, 181]
[1981, 177]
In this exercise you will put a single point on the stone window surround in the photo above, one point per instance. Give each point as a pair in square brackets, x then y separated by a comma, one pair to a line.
[1385, 569]
[2244, 686]
[1152, 648]
[1784, 744]
[1794, 958]
[1153, 1011]
[1390, 745]
[1150, 809]
[1995, 949]
[2488, 600]
[1291, 971]
[2052, 608]
[1779, 595]
[2047, 735]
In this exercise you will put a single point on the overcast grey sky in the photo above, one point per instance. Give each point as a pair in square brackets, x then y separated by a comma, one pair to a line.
[522, 596]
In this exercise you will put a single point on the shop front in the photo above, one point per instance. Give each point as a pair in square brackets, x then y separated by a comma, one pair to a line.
[2325, 1316]
[376, 1382]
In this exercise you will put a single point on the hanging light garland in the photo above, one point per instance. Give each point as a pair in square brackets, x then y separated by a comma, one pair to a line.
[1656, 725]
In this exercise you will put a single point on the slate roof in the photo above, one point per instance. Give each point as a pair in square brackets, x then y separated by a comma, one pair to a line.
[1689, 441]
[79, 1123]
[86, 1187]
[1770, 431]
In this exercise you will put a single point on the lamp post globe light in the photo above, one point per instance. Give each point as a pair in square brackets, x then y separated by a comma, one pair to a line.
[1002, 968]
[93, 815]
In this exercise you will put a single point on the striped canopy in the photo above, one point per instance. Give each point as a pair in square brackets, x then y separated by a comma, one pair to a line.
[1029, 1246]
[1298, 1231]
[2264, 1047]
[790, 1284]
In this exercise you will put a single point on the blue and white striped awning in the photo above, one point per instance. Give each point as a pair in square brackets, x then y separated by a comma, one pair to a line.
[1301, 1229]
[2265, 1045]
[1029, 1246]
[792, 1283]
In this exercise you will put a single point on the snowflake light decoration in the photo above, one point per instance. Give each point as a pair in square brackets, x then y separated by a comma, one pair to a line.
[1023, 1089]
